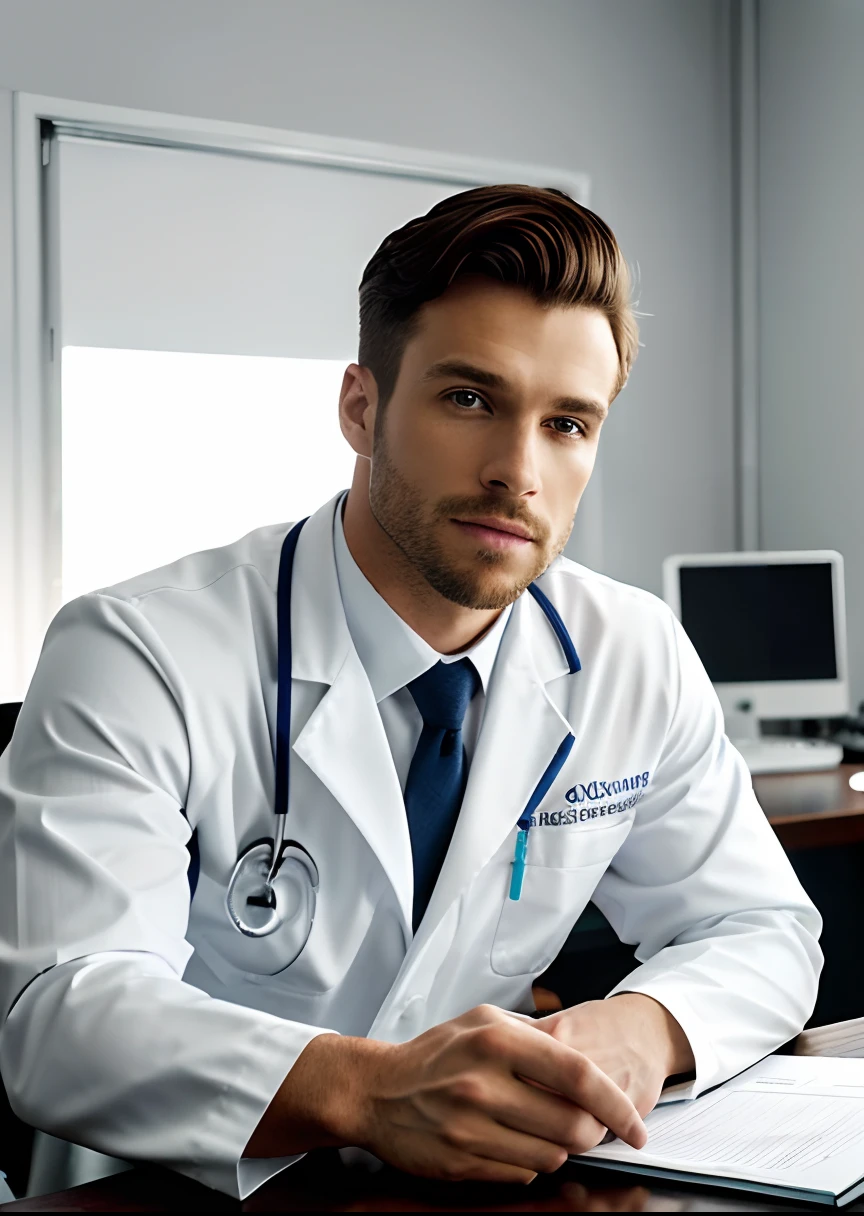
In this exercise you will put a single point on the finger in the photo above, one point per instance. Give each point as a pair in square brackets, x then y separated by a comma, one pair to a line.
[483, 1169]
[543, 1113]
[539, 1057]
[545, 1000]
[479, 1135]
[580, 1080]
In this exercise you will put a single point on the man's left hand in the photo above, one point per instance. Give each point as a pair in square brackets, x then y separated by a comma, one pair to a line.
[631, 1037]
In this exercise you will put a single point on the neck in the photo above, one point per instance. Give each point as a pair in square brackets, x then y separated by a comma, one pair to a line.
[445, 626]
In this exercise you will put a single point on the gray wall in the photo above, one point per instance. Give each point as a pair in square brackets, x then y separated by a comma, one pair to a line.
[812, 287]
[634, 93]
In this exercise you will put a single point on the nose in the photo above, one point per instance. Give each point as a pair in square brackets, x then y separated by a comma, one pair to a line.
[512, 466]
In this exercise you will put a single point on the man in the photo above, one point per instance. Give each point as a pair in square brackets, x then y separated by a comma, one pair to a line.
[432, 699]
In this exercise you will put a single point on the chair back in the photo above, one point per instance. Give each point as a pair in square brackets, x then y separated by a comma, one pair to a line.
[8, 717]
[16, 1138]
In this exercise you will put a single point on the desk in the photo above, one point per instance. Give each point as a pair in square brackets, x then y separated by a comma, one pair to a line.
[812, 810]
[321, 1183]
[819, 820]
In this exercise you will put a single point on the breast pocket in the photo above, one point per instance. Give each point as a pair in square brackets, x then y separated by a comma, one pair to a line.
[564, 867]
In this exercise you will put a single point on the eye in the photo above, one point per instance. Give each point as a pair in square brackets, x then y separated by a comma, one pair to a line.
[466, 398]
[567, 426]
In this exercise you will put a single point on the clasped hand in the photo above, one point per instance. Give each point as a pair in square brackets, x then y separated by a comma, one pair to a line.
[486, 1096]
[489, 1096]
[495, 1098]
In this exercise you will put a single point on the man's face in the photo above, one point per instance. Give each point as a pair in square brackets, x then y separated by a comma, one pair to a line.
[482, 453]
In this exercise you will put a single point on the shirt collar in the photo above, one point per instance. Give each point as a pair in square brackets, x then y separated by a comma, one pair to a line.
[391, 652]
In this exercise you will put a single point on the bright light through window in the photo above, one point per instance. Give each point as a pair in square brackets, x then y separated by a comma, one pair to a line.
[166, 453]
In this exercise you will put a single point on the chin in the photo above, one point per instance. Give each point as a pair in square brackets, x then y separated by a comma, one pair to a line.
[488, 582]
[487, 593]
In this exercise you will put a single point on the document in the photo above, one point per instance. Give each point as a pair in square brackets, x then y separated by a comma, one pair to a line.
[791, 1126]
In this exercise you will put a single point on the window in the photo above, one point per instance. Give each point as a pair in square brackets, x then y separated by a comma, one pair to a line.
[207, 308]
[165, 453]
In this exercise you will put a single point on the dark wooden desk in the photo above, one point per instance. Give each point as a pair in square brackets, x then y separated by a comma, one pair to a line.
[813, 810]
[322, 1183]
[819, 821]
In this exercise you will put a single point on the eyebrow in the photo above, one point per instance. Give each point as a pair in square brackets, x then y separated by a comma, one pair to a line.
[455, 369]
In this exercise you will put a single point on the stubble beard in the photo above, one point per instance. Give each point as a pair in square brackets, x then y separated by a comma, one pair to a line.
[401, 513]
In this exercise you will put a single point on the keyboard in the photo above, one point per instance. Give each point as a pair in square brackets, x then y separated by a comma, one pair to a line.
[788, 755]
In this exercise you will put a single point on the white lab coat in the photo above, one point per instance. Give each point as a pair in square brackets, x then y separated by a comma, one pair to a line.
[150, 1030]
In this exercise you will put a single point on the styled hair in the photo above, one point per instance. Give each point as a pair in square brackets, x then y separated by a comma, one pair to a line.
[540, 240]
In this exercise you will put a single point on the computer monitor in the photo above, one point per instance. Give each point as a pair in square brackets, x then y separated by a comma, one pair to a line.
[770, 628]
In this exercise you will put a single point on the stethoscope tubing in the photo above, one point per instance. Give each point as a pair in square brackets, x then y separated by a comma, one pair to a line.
[284, 664]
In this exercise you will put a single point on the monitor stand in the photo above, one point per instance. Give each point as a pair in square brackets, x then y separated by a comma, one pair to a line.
[777, 754]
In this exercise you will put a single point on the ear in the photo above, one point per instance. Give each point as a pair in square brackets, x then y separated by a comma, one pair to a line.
[358, 402]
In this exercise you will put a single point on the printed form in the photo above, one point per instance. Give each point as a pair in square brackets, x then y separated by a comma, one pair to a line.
[790, 1122]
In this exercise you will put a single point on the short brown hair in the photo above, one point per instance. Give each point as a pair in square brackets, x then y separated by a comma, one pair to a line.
[538, 239]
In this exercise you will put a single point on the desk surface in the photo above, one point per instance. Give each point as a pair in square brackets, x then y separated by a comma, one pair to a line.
[810, 810]
[322, 1183]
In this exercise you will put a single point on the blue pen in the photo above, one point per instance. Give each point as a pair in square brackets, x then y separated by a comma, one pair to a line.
[520, 854]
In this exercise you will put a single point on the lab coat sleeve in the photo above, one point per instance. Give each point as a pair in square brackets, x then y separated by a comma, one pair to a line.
[726, 935]
[101, 1041]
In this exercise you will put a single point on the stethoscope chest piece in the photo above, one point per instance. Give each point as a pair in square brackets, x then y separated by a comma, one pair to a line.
[259, 903]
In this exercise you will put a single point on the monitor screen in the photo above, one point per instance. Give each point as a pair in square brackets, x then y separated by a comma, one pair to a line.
[752, 623]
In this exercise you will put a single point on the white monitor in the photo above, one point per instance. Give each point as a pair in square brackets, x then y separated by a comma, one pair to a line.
[770, 628]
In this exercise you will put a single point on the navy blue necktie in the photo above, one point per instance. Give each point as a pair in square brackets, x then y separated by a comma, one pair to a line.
[439, 770]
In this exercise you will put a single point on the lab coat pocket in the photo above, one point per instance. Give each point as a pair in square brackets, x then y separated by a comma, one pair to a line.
[563, 870]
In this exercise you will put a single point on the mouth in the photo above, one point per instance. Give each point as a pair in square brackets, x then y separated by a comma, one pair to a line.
[495, 533]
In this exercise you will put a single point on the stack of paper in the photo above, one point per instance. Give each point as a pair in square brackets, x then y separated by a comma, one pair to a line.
[791, 1126]
[839, 1039]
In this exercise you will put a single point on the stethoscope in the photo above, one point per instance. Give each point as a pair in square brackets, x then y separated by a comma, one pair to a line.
[274, 884]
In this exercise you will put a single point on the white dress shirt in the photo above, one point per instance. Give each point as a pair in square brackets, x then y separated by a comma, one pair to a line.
[392, 655]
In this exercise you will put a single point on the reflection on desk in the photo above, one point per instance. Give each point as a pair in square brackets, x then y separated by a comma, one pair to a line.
[323, 1183]
[812, 810]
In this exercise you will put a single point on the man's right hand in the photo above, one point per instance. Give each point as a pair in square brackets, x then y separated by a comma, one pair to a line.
[485, 1097]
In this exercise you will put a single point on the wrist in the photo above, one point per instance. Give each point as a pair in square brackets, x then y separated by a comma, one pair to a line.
[346, 1099]
[325, 1100]
[670, 1047]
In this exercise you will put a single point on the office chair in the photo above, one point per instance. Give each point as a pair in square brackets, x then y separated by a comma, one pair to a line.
[16, 1138]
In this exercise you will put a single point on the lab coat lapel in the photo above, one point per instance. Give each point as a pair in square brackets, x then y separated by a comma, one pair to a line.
[520, 732]
[343, 741]
[344, 744]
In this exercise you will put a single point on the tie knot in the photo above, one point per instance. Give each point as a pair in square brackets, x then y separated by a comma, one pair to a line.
[442, 693]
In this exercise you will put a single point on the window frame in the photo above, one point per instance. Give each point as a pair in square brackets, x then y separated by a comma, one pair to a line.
[30, 410]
